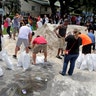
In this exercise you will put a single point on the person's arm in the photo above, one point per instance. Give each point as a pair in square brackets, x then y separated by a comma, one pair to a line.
[33, 43]
[55, 30]
[30, 37]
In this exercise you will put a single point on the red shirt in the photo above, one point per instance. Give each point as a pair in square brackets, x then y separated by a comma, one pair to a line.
[39, 40]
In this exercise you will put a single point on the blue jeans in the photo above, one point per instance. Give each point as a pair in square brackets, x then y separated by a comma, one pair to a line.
[72, 58]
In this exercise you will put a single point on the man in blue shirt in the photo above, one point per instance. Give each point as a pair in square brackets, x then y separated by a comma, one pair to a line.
[92, 37]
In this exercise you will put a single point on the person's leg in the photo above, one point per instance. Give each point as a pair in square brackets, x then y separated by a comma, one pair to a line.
[45, 56]
[0, 44]
[44, 48]
[34, 58]
[58, 53]
[72, 64]
[17, 48]
[93, 47]
[59, 48]
[14, 33]
[27, 50]
[35, 50]
[62, 46]
[65, 64]
[15, 30]
[26, 44]
[8, 31]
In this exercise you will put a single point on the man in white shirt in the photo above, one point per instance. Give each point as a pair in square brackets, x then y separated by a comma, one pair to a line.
[24, 36]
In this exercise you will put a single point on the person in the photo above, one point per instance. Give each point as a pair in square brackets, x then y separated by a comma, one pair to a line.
[86, 43]
[73, 43]
[45, 20]
[8, 20]
[39, 44]
[39, 22]
[24, 36]
[92, 37]
[61, 37]
[16, 24]
[30, 19]
[1, 33]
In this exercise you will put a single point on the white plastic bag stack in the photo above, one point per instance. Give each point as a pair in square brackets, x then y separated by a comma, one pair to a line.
[84, 63]
[24, 60]
[7, 60]
[1, 72]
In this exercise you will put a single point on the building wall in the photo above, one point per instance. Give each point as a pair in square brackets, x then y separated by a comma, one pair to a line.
[38, 9]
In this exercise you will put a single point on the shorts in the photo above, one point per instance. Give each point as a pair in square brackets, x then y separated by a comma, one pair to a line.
[24, 41]
[86, 49]
[15, 30]
[39, 47]
[61, 42]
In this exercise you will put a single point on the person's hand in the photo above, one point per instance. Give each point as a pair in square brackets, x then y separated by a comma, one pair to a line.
[58, 35]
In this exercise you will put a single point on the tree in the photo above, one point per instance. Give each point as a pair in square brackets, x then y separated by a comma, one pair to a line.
[67, 6]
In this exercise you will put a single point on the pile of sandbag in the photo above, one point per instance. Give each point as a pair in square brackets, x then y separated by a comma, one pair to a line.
[86, 62]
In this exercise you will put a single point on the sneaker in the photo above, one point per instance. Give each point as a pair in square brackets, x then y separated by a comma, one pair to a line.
[61, 73]
[63, 55]
[14, 56]
[58, 57]
[29, 47]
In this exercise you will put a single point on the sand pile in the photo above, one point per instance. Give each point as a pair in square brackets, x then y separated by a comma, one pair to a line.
[47, 31]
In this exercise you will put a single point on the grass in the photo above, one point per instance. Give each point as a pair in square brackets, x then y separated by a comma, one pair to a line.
[34, 28]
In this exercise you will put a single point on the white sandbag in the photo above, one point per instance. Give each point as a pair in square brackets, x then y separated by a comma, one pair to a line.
[84, 64]
[79, 60]
[3, 42]
[1, 72]
[93, 59]
[0, 55]
[7, 60]
[39, 59]
[20, 60]
[24, 60]
[89, 62]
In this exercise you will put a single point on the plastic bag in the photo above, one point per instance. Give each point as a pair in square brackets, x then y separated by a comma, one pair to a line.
[24, 60]
[7, 60]
[39, 59]
[1, 72]
[20, 60]
[0, 55]
[79, 60]
[89, 62]
[3, 42]
[84, 63]
[93, 59]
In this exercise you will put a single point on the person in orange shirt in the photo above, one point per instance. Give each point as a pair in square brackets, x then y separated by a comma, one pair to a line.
[86, 42]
